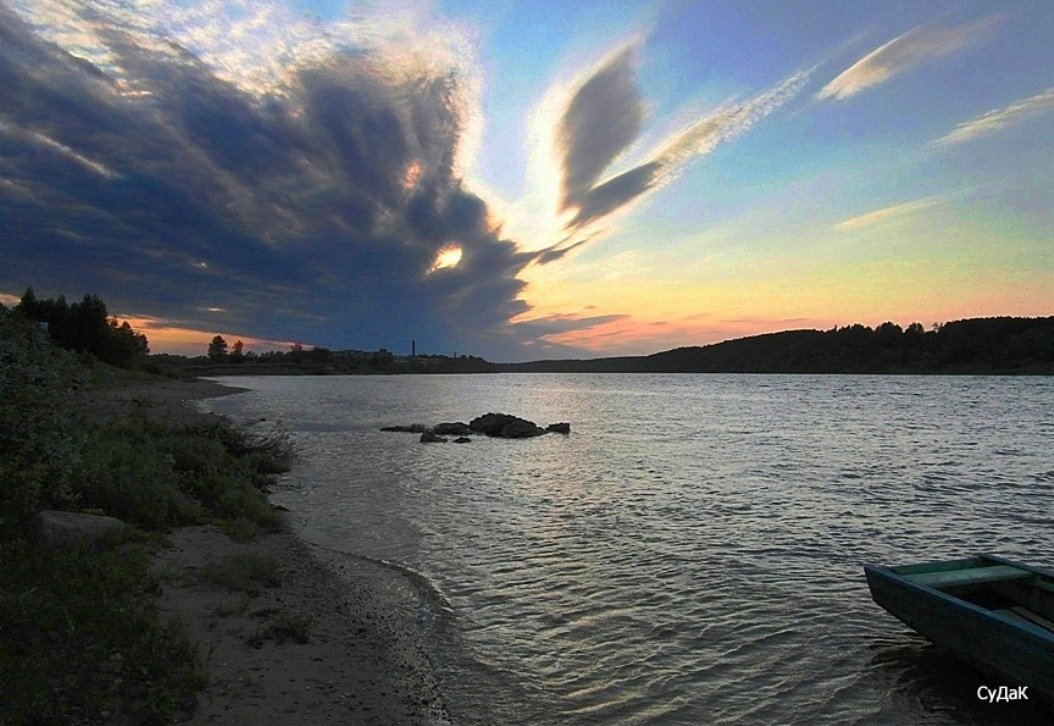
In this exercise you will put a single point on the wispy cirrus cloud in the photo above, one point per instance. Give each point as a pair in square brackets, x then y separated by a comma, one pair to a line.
[898, 55]
[999, 118]
[887, 213]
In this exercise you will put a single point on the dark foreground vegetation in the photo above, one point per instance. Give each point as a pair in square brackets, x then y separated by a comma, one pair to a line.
[80, 637]
[977, 346]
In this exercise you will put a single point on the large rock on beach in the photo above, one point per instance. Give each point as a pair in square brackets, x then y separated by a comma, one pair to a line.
[52, 529]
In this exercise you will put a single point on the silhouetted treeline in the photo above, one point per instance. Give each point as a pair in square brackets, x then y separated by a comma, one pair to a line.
[221, 360]
[86, 327]
[981, 345]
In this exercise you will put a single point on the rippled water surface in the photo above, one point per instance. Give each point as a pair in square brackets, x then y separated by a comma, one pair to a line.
[692, 552]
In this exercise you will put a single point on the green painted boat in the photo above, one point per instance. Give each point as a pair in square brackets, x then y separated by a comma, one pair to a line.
[994, 613]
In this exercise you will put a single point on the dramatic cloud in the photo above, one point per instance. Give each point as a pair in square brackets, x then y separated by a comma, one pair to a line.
[560, 249]
[603, 118]
[998, 118]
[319, 201]
[887, 213]
[903, 52]
[609, 103]
[547, 334]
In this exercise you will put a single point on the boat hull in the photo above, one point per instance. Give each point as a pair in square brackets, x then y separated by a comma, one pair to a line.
[1015, 652]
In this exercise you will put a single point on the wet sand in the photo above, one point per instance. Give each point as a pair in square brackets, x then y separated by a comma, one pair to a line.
[361, 662]
[355, 668]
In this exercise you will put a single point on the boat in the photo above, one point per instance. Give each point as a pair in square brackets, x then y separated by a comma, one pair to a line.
[994, 613]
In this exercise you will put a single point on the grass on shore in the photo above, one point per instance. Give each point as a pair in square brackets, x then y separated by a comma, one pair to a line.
[80, 636]
[82, 641]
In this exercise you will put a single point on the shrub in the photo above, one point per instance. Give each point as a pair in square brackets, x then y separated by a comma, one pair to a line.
[80, 640]
[133, 480]
[40, 434]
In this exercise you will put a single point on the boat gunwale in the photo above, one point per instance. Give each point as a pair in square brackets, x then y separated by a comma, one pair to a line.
[890, 573]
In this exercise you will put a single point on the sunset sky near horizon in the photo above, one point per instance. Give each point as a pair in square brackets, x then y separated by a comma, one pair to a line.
[526, 179]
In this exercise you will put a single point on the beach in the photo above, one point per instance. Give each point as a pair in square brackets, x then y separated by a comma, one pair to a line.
[312, 644]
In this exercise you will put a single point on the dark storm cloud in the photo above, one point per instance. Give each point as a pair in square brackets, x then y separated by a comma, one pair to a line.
[314, 214]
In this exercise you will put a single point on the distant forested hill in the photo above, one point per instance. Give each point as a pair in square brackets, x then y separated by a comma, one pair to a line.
[980, 345]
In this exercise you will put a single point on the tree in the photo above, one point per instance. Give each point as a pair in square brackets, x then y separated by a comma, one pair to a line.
[86, 326]
[296, 353]
[218, 349]
[28, 305]
[237, 352]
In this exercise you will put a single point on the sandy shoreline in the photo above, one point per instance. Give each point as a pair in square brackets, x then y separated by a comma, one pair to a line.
[360, 663]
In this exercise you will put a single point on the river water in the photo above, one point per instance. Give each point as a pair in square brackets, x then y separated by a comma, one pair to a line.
[691, 553]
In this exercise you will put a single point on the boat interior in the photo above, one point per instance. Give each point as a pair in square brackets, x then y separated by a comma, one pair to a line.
[1014, 592]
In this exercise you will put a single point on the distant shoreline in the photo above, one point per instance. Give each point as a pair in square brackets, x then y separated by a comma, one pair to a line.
[978, 346]
[509, 368]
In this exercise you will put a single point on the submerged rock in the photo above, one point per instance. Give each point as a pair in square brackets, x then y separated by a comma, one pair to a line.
[462, 440]
[454, 428]
[416, 428]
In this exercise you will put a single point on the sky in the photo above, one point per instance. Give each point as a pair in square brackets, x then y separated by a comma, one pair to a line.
[526, 179]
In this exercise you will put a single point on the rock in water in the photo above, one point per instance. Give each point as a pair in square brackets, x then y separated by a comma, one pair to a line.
[462, 440]
[416, 428]
[454, 428]
[498, 424]
[491, 424]
[559, 428]
[521, 429]
[430, 438]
